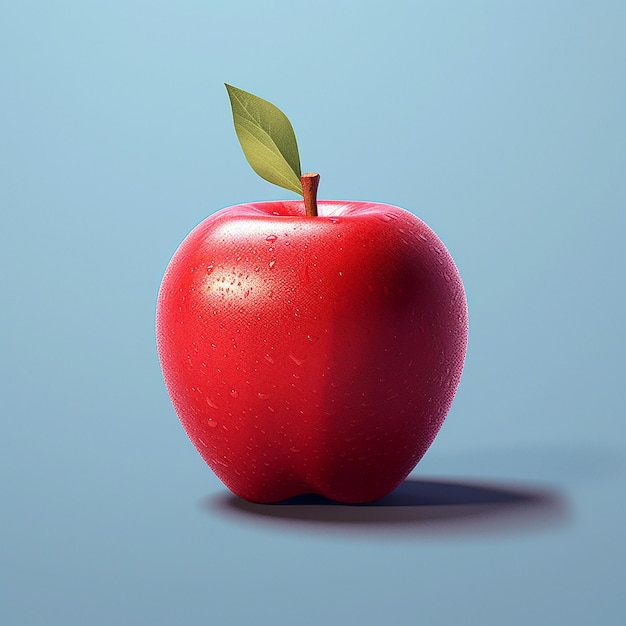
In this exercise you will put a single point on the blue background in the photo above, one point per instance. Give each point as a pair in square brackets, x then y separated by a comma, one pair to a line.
[501, 124]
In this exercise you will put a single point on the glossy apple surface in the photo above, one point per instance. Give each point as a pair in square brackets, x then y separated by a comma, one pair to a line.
[312, 354]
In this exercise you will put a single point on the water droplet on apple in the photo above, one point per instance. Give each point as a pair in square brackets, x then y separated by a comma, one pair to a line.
[383, 217]
[234, 393]
[211, 404]
[209, 269]
[271, 238]
[272, 263]
[312, 338]
[297, 360]
[264, 396]
[269, 359]
[212, 424]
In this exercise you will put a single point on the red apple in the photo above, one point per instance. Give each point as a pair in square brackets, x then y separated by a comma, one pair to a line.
[312, 354]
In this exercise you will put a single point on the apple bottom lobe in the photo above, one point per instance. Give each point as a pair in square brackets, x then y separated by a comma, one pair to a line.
[353, 469]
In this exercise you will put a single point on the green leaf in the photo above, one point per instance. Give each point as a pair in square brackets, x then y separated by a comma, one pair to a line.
[267, 139]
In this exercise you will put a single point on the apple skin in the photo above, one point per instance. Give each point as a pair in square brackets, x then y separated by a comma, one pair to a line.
[312, 354]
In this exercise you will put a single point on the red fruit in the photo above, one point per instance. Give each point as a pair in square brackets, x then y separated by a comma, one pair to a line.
[312, 354]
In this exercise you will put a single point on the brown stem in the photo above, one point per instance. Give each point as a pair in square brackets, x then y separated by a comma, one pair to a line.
[310, 181]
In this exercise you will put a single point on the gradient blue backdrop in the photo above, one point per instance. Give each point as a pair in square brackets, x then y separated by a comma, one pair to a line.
[500, 123]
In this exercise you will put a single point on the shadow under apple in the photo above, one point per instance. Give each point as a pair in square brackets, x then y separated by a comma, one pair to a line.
[416, 506]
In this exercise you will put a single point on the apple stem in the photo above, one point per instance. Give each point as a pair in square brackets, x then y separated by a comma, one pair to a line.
[310, 181]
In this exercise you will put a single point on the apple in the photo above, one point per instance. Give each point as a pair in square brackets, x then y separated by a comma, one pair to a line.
[312, 347]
